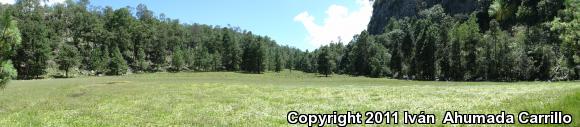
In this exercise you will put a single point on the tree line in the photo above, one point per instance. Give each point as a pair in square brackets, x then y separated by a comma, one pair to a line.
[523, 40]
[75, 37]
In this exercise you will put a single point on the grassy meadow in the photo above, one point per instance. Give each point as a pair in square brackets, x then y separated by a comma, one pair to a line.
[235, 99]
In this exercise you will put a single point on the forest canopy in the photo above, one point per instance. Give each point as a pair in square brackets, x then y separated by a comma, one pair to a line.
[485, 40]
[75, 37]
[491, 40]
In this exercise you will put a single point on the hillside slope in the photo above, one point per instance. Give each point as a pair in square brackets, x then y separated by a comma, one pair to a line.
[385, 9]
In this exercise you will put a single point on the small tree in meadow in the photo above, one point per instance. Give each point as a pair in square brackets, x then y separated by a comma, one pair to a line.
[67, 58]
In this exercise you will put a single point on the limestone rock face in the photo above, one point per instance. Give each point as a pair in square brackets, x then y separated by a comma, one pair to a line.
[385, 9]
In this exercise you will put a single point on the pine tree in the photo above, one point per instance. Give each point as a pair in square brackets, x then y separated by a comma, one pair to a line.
[121, 25]
[202, 59]
[360, 54]
[470, 35]
[568, 25]
[305, 62]
[254, 56]
[379, 61]
[522, 66]
[259, 57]
[455, 53]
[32, 57]
[424, 62]
[278, 61]
[141, 62]
[159, 53]
[99, 60]
[177, 60]
[9, 40]
[396, 61]
[231, 59]
[117, 65]
[325, 63]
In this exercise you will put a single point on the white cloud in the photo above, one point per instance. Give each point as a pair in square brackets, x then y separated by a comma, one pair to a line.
[7, 1]
[339, 23]
[49, 2]
[52, 2]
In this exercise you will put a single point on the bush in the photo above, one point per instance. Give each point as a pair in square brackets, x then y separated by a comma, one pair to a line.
[7, 72]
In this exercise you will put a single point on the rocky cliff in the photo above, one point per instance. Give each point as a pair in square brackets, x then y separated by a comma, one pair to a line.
[385, 9]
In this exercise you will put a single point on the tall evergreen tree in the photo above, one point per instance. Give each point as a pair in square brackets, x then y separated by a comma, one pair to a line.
[99, 60]
[9, 40]
[360, 54]
[396, 62]
[117, 65]
[278, 61]
[254, 55]
[231, 59]
[568, 25]
[121, 26]
[425, 50]
[379, 61]
[469, 33]
[325, 61]
[34, 53]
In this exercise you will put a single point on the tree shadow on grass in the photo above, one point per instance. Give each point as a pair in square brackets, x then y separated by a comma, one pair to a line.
[243, 72]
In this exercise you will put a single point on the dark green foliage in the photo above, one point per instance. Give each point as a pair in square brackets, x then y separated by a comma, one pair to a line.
[141, 64]
[278, 61]
[117, 65]
[522, 66]
[495, 40]
[254, 55]
[360, 54]
[232, 52]
[365, 55]
[496, 64]
[99, 60]
[379, 61]
[115, 41]
[384, 10]
[67, 58]
[325, 61]
[202, 59]
[337, 52]
[469, 37]
[120, 25]
[465, 41]
[304, 64]
[396, 62]
[32, 56]
[531, 12]
[431, 45]
[31, 60]
[177, 61]
[568, 25]
[424, 61]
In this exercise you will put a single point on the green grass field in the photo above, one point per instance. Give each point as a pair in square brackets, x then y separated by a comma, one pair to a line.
[235, 99]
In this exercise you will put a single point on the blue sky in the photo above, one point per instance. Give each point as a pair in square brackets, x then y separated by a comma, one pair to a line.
[305, 24]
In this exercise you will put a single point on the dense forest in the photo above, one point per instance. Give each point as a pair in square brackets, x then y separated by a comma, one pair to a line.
[485, 40]
[76, 38]
[458, 40]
